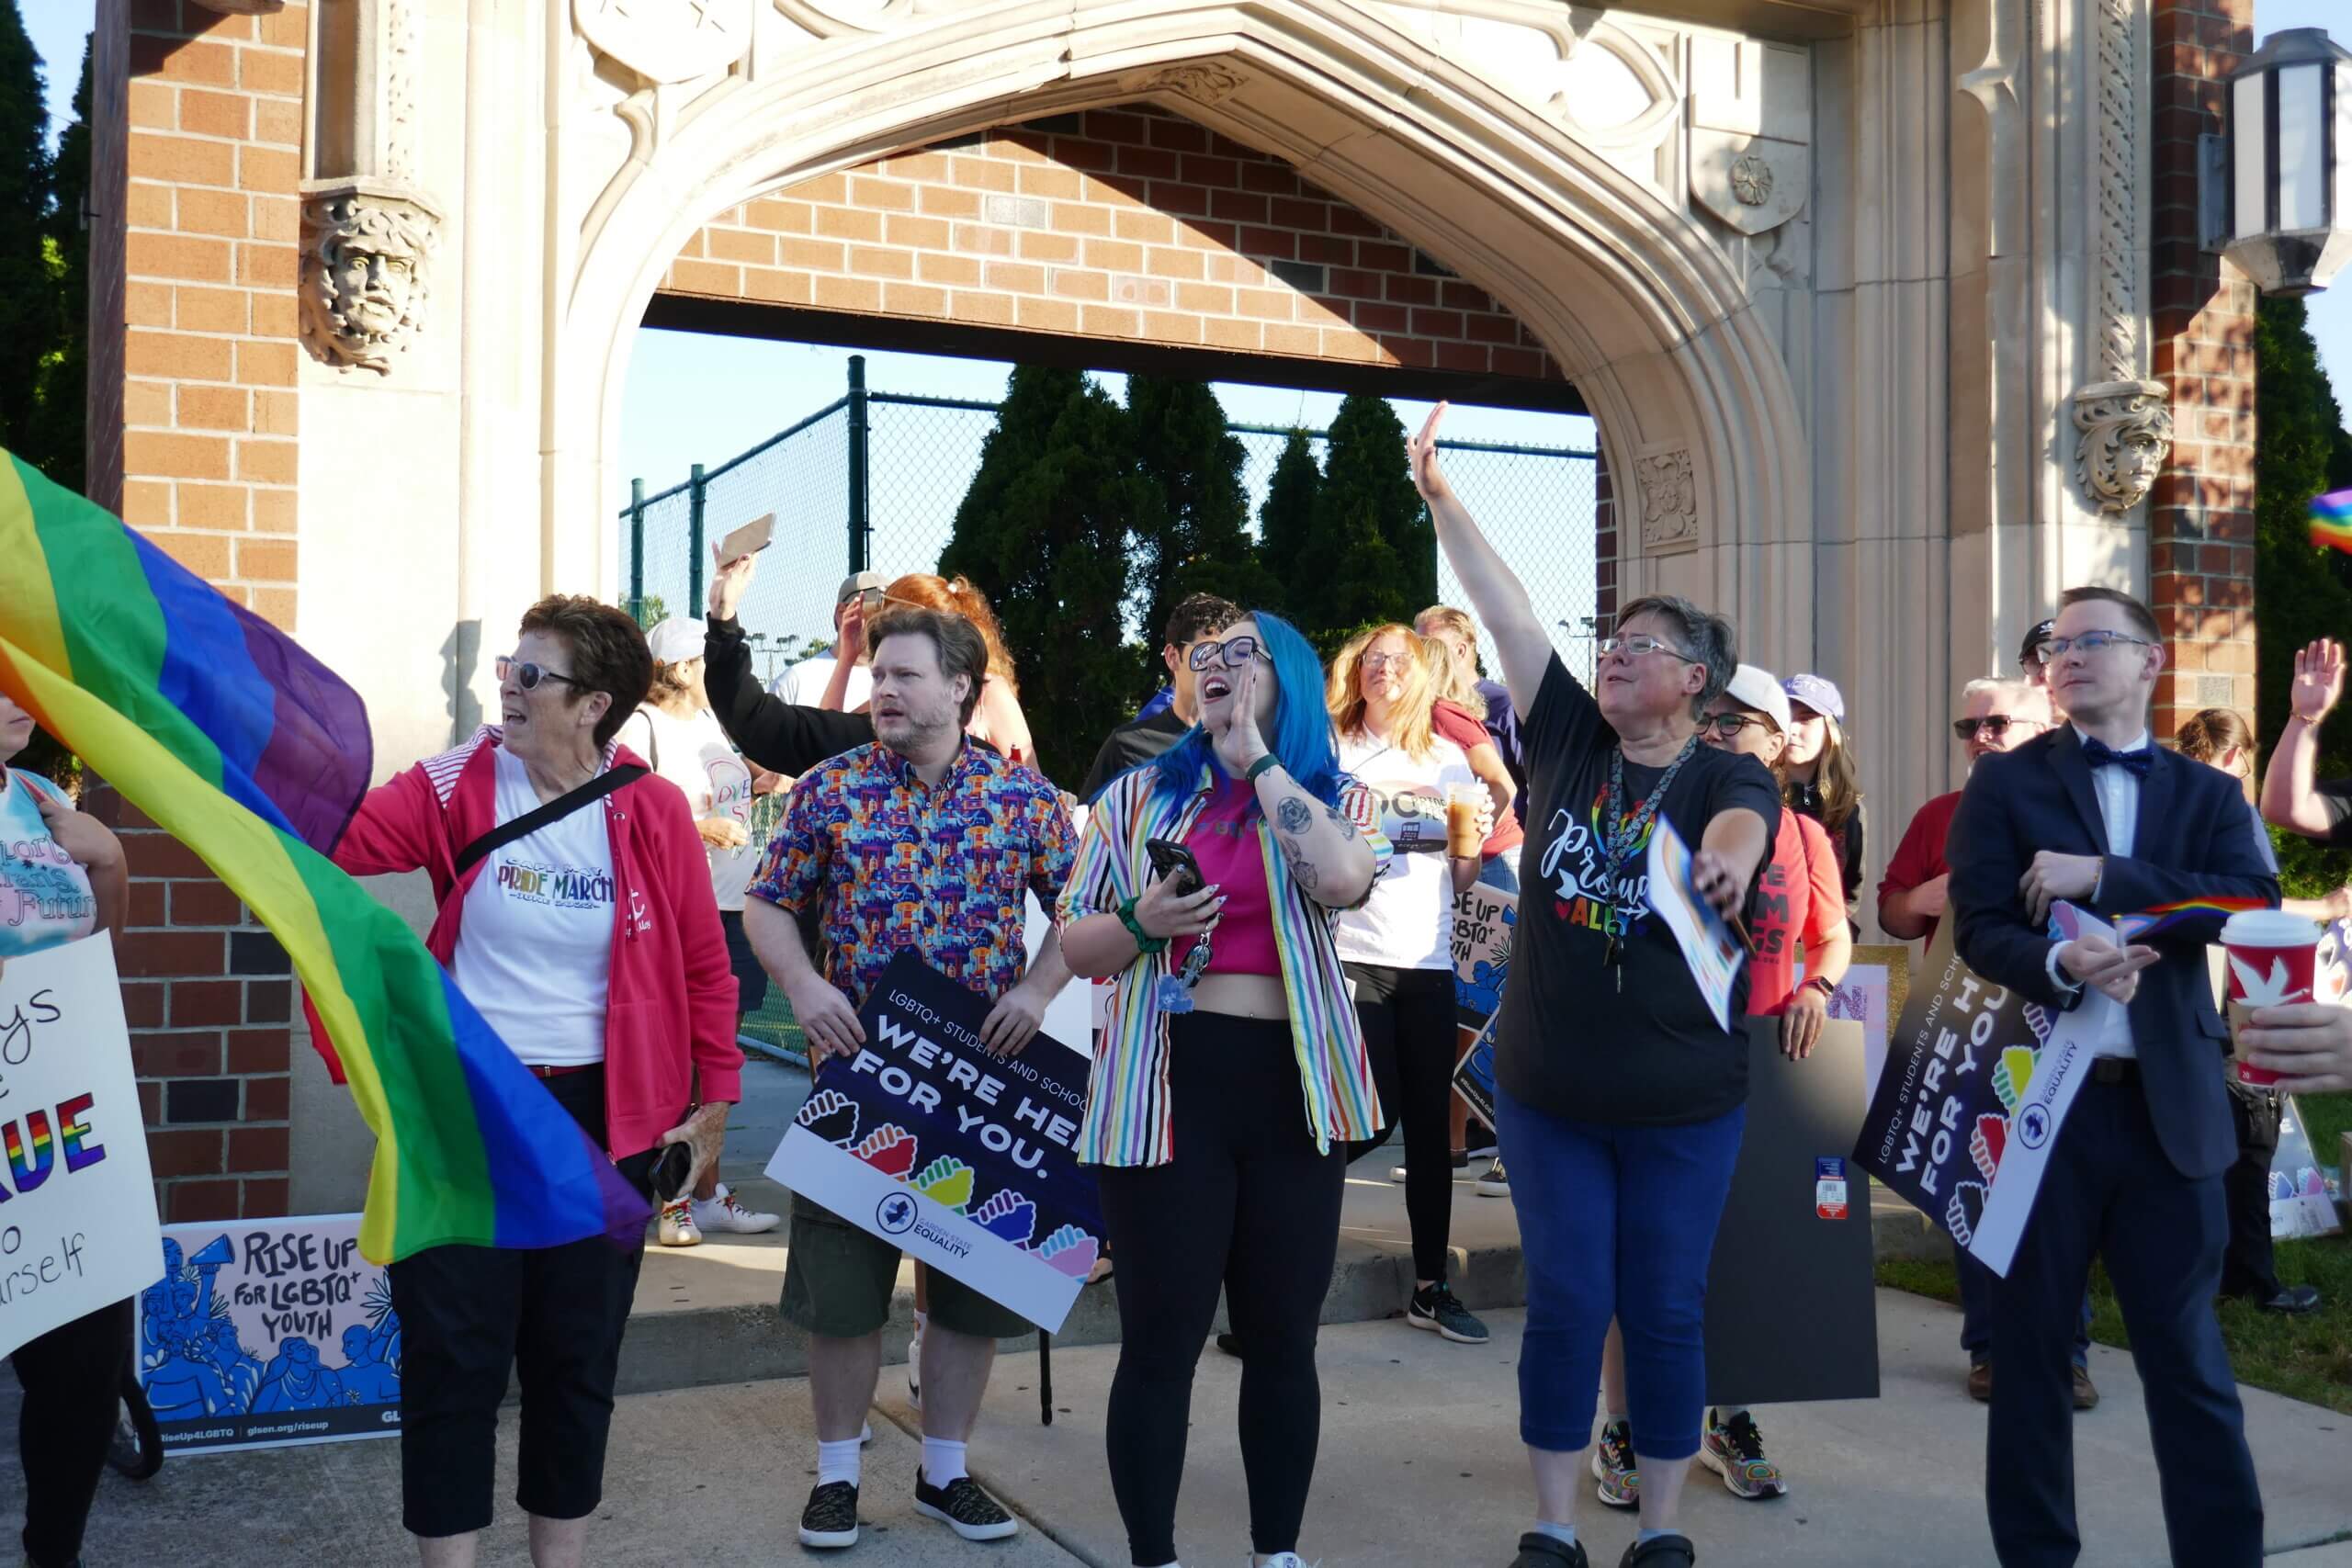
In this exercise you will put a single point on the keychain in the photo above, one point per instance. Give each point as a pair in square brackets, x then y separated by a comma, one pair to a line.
[1176, 990]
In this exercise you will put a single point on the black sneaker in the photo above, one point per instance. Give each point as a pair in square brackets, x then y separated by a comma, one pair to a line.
[1660, 1551]
[1436, 1307]
[831, 1517]
[1537, 1549]
[1494, 1183]
[963, 1507]
[1230, 1344]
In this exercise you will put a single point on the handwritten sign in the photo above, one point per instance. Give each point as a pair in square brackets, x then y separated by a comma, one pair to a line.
[265, 1334]
[77, 1205]
[1486, 922]
[963, 1160]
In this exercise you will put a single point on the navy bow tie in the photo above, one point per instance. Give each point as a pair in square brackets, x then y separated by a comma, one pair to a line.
[2137, 763]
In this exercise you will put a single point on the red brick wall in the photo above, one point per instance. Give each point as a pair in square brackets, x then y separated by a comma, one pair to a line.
[1125, 224]
[2201, 515]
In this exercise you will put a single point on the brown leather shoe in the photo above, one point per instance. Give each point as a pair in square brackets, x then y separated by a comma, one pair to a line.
[1980, 1381]
[2085, 1391]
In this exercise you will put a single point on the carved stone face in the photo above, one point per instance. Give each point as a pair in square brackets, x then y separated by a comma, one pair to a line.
[2126, 434]
[364, 280]
[371, 289]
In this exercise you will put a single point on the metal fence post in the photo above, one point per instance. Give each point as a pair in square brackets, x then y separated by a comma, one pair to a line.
[693, 542]
[637, 549]
[860, 529]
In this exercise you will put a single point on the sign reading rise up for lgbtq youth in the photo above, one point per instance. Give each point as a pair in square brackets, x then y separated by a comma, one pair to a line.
[1978, 1082]
[960, 1158]
[1486, 922]
[77, 1208]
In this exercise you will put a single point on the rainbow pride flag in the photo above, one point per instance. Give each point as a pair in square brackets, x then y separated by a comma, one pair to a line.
[241, 746]
[2332, 520]
[2163, 916]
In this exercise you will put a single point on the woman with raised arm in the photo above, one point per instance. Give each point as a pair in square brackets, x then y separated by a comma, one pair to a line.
[1614, 1083]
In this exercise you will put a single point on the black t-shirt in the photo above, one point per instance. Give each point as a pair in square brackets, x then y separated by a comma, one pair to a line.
[2335, 794]
[1572, 1041]
[1138, 740]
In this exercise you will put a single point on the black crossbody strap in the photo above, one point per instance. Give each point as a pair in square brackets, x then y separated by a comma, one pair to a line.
[555, 810]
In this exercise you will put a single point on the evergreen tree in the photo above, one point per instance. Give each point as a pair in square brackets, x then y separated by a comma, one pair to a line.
[53, 444]
[2301, 590]
[1192, 533]
[30, 312]
[1371, 550]
[1043, 531]
[1287, 520]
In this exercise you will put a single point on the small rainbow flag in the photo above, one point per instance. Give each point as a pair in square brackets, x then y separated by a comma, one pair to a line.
[2332, 520]
[248, 751]
[2165, 917]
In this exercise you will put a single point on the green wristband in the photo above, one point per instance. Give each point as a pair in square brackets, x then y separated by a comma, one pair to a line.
[1260, 766]
[1145, 941]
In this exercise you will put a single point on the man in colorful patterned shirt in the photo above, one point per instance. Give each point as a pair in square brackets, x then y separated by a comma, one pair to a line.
[922, 840]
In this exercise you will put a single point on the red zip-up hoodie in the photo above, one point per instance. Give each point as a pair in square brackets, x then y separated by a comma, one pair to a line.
[672, 995]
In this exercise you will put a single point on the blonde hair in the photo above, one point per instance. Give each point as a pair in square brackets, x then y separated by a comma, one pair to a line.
[1837, 779]
[1457, 680]
[1344, 691]
[929, 591]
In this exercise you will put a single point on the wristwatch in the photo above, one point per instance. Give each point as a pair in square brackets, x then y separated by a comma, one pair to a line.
[1829, 986]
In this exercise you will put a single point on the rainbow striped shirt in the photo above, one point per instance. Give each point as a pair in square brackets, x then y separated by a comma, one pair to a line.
[1128, 1119]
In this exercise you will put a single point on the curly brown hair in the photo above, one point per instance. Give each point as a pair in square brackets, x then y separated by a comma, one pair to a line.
[608, 654]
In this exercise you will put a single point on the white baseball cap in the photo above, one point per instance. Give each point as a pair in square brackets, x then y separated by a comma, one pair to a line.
[675, 640]
[1760, 689]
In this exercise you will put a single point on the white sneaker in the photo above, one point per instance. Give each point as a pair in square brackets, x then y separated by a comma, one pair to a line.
[914, 1364]
[1493, 1183]
[722, 1213]
[1396, 1173]
[678, 1228]
[1282, 1560]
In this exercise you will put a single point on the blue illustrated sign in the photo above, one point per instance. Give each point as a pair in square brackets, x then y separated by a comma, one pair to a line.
[964, 1159]
[267, 1333]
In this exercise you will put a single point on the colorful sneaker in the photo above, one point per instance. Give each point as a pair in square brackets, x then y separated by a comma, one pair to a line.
[963, 1507]
[1494, 1183]
[1735, 1450]
[678, 1228]
[723, 1213]
[1613, 1466]
[1437, 1308]
[830, 1518]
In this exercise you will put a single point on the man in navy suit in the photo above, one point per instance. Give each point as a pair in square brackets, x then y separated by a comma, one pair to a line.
[2091, 813]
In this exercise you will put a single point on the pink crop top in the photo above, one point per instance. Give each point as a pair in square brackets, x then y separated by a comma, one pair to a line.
[1224, 839]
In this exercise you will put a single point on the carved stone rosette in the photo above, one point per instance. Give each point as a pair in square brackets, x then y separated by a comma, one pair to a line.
[1670, 500]
[366, 270]
[2126, 430]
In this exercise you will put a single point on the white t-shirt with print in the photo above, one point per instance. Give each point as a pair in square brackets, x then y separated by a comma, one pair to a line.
[535, 951]
[695, 755]
[1408, 923]
[804, 683]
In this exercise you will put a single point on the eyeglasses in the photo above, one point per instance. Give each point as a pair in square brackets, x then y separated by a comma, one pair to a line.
[1233, 653]
[1375, 662]
[1998, 723]
[2090, 642]
[1727, 726]
[529, 675]
[1637, 646]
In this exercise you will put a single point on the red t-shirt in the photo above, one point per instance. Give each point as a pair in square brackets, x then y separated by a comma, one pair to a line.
[1453, 722]
[1920, 856]
[1223, 840]
[1798, 898]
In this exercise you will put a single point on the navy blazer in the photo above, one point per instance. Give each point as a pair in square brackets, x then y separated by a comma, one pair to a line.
[2197, 839]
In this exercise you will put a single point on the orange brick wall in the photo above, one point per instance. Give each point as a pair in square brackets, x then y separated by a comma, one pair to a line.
[197, 164]
[2201, 515]
[1123, 223]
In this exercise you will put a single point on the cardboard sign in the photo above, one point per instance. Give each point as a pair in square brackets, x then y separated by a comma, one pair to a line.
[265, 1334]
[960, 1159]
[77, 1205]
[1486, 925]
[1977, 1083]
[1871, 994]
[2302, 1200]
[1713, 953]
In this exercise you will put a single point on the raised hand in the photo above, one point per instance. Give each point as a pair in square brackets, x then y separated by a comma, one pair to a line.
[1238, 741]
[1422, 451]
[729, 583]
[2319, 680]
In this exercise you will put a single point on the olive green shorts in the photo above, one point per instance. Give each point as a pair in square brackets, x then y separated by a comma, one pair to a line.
[838, 1280]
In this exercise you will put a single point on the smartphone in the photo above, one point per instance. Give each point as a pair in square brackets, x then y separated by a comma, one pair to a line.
[750, 540]
[669, 1171]
[1174, 862]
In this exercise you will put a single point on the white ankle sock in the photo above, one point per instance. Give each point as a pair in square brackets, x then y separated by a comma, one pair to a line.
[1562, 1533]
[839, 1461]
[942, 1462]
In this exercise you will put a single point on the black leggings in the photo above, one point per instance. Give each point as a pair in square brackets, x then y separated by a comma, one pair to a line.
[1247, 1203]
[72, 1379]
[1409, 1031]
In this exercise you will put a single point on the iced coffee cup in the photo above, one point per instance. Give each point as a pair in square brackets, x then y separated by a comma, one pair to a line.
[1463, 839]
[2271, 958]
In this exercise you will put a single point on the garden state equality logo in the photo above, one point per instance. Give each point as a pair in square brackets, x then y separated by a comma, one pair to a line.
[894, 1214]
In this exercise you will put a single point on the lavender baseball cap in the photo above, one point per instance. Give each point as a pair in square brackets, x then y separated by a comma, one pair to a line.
[1818, 694]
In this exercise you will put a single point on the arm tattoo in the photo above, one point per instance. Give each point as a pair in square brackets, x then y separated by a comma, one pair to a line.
[1292, 815]
[1340, 819]
[1301, 870]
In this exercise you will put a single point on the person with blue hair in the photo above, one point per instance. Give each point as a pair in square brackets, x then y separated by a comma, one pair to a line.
[1233, 1073]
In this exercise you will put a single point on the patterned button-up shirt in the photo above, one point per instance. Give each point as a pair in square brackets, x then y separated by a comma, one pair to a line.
[898, 863]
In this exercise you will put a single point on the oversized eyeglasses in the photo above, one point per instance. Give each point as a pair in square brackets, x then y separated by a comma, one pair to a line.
[1375, 662]
[1637, 646]
[529, 675]
[1233, 652]
[1727, 726]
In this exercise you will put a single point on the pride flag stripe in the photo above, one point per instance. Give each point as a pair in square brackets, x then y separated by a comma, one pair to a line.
[2332, 520]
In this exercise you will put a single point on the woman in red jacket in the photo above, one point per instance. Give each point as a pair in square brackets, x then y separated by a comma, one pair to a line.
[592, 944]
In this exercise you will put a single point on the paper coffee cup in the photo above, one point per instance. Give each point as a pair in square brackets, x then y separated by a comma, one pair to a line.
[2271, 956]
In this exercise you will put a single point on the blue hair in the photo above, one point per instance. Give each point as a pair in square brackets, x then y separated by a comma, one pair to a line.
[1302, 734]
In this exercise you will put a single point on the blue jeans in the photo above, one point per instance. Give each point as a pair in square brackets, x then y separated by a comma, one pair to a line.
[1976, 1284]
[1501, 872]
[1615, 1220]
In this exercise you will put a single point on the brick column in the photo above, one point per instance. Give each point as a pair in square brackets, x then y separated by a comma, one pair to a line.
[2200, 515]
[193, 345]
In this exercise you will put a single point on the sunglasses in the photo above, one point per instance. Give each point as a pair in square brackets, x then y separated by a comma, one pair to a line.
[1233, 653]
[1727, 726]
[529, 675]
[1999, 724]
[1637, 646]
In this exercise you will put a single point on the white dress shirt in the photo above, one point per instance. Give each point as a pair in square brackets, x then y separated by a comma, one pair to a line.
[2118, 790]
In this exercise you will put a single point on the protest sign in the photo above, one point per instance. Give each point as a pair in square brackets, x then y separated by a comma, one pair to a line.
[962, 1160]
[1978, 1082]
[77, 1231]
[1871, 994]
[1485, 921]
[265, 1334]
[1708, 945]
[2301, 1203]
